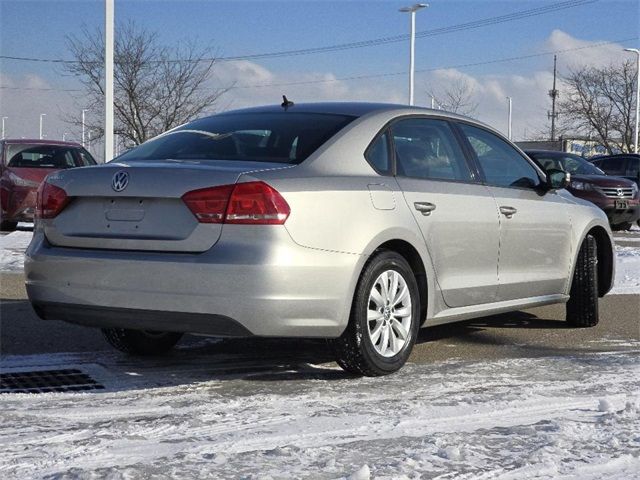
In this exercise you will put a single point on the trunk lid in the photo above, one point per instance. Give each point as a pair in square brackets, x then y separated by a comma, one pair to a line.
[148, 213]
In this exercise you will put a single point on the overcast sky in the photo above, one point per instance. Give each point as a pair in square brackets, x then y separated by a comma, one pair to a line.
[37, 29]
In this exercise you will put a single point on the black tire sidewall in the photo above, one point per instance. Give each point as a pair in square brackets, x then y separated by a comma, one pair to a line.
[383, 262]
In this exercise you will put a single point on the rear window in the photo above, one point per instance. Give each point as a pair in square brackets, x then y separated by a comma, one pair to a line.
[285, 137]
[45, 156]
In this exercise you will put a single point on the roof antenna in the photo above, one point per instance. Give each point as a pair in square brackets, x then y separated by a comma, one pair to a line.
[286, 103]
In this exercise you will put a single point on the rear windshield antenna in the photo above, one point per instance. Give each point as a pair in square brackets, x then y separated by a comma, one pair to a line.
[286, 103]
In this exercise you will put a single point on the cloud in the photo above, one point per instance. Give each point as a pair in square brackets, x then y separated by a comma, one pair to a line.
[254, 84]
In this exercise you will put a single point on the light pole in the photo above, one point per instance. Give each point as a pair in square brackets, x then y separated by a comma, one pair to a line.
[41, 116]
[83, 124]
[509, 130]
[412, 10]
[108, 79]
[64, 136]
[635, 139]
[3, 119]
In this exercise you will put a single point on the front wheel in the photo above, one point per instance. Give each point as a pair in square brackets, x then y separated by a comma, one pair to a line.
[141, 342]
[385, 318]
[582, 307]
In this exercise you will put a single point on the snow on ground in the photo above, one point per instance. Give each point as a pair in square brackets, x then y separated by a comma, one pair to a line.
[627, 270]
[627, 281]
[572, 417]
[12, 248]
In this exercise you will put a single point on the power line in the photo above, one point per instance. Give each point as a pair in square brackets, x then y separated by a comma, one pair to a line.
[366, 43]
[382, 75]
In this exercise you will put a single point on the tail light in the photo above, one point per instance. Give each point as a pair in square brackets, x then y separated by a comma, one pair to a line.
[51, 200]
[209, 204]
[251, 203]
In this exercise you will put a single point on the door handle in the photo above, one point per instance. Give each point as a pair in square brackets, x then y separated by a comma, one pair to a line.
[424, 207]
[508, 211]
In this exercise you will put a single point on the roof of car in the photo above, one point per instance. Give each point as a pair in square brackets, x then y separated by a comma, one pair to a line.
[35, 141]
[617, 155]
[549, 152]
[356, 109]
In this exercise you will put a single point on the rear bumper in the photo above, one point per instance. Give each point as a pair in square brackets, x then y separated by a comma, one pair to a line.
[256, 278]
[217, 325]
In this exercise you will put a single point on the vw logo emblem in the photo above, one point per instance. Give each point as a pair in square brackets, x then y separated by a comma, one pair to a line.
[120, 181]
[620, 192]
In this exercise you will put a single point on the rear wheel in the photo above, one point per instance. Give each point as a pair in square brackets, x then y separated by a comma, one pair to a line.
[385, 318]
[7, 226]
[582, 307]
[141, 342]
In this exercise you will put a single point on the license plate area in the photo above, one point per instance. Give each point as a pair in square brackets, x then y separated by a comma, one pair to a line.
[620, 204]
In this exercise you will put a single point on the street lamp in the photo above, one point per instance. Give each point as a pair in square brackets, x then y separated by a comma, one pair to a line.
[510, 111]
[83, 124]
[41, 115]
[412, 10]
[635, 139]
[3, 119]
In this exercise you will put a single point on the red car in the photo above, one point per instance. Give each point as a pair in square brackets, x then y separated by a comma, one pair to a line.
[23, 166]
[617, 197]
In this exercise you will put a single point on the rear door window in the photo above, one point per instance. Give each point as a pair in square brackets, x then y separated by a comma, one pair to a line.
[427, 148]
[378, 154]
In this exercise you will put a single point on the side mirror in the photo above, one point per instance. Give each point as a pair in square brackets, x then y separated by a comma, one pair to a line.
[557, 179]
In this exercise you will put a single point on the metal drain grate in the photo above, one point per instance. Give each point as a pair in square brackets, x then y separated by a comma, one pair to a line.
[43, 381]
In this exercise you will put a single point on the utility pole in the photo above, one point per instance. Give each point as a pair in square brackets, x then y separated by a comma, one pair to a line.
[83, 126]
[553, 93]
[412, 43]
[510, 112]
[42, 115]
[3, 119]
[108, 79]
[636, 139]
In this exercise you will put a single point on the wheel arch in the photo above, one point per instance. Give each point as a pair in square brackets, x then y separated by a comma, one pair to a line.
[606, 258]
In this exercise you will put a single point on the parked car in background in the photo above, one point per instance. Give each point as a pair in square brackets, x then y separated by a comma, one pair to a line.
[353, 222]
[617, 196]
[23, 166]
[625, 165]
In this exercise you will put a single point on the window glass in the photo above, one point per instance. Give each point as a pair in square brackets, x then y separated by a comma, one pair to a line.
[85, 158]
[378, 154]
[566, 162]
[40, 156]
[502, 165]
[633, 167]
[285, 137]
[427, 148]
[614, 166]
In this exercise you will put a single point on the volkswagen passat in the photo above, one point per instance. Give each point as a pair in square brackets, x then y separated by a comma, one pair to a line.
[354, 222]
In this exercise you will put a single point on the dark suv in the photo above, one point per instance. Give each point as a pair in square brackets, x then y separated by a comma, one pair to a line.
[23, 166]
[625, 165]
[617, 196]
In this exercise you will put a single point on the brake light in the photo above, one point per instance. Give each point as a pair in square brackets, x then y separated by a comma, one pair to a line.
[257, 203]
[209, 204]
[251, 203]
[51, 200]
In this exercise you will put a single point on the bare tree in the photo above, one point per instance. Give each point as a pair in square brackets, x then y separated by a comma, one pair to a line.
[156, 87]
[600, 103]
[456, 97]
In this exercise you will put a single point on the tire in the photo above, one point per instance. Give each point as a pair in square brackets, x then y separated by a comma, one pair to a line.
[621, 226]
[355, 350]
[582, 307]
[7, 226]
[139, 342]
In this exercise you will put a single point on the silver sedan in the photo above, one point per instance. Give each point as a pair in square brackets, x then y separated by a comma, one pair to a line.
[349, 221]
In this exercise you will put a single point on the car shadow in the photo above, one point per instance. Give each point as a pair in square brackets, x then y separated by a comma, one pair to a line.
[203, 359]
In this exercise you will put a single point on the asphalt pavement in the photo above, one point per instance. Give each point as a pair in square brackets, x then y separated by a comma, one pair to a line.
[529, 333]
